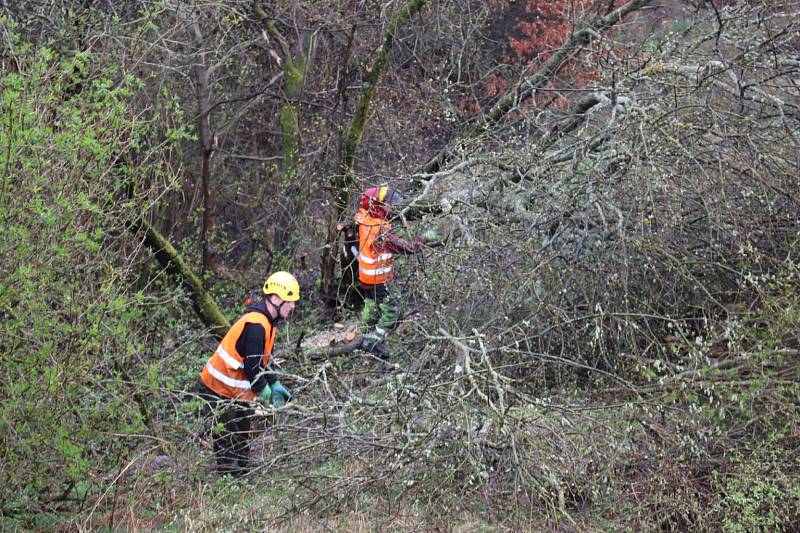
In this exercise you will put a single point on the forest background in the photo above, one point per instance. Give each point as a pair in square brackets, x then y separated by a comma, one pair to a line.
[606, 340]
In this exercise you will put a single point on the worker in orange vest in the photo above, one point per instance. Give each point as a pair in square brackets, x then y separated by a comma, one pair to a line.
[378, 244]
[235, 376]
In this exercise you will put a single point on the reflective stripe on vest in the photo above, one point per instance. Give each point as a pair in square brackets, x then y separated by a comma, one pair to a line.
[230, 382]
[230, 361]
[374, 266]
[370, 261]
[224, 372]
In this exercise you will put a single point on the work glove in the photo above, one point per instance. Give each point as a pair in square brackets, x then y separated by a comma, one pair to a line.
[432, 237]
[280, 394]
[265, 394]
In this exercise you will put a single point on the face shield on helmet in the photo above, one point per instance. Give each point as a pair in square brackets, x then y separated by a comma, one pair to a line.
[378, 200]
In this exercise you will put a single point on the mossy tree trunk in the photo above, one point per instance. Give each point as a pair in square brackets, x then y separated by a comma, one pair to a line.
[295, 193]
[204, 305]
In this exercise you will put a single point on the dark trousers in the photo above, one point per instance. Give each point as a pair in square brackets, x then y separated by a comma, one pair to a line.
[230, 430]
[378, 293]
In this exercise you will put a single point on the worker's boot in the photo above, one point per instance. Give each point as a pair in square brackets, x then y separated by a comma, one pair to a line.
[375, 347]
[380, 350]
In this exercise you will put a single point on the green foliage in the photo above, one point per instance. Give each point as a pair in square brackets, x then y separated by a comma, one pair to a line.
[759, 497]
[71, 318]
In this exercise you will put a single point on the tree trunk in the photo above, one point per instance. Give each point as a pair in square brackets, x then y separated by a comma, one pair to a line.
[292, 204]
[295, 193]
[206, 145]
[204, 305]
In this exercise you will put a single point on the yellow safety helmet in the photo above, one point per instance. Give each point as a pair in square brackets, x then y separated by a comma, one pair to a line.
[284, 285]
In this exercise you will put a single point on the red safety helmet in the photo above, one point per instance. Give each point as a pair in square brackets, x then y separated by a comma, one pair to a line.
[376, 200]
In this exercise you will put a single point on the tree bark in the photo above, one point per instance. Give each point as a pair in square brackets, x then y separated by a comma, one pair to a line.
[206, 147]
[204, 305]
[294, 201]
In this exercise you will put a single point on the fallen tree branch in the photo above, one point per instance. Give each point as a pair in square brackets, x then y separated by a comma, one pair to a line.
[529, 85]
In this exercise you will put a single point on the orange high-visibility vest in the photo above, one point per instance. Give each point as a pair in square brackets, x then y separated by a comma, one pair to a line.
[224, 373]
[374, 266]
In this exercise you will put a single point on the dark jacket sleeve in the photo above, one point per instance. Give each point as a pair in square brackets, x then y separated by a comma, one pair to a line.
[392, 242]
[251, 346]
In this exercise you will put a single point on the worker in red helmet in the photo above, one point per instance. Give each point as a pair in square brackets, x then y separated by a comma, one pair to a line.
[378, 244]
